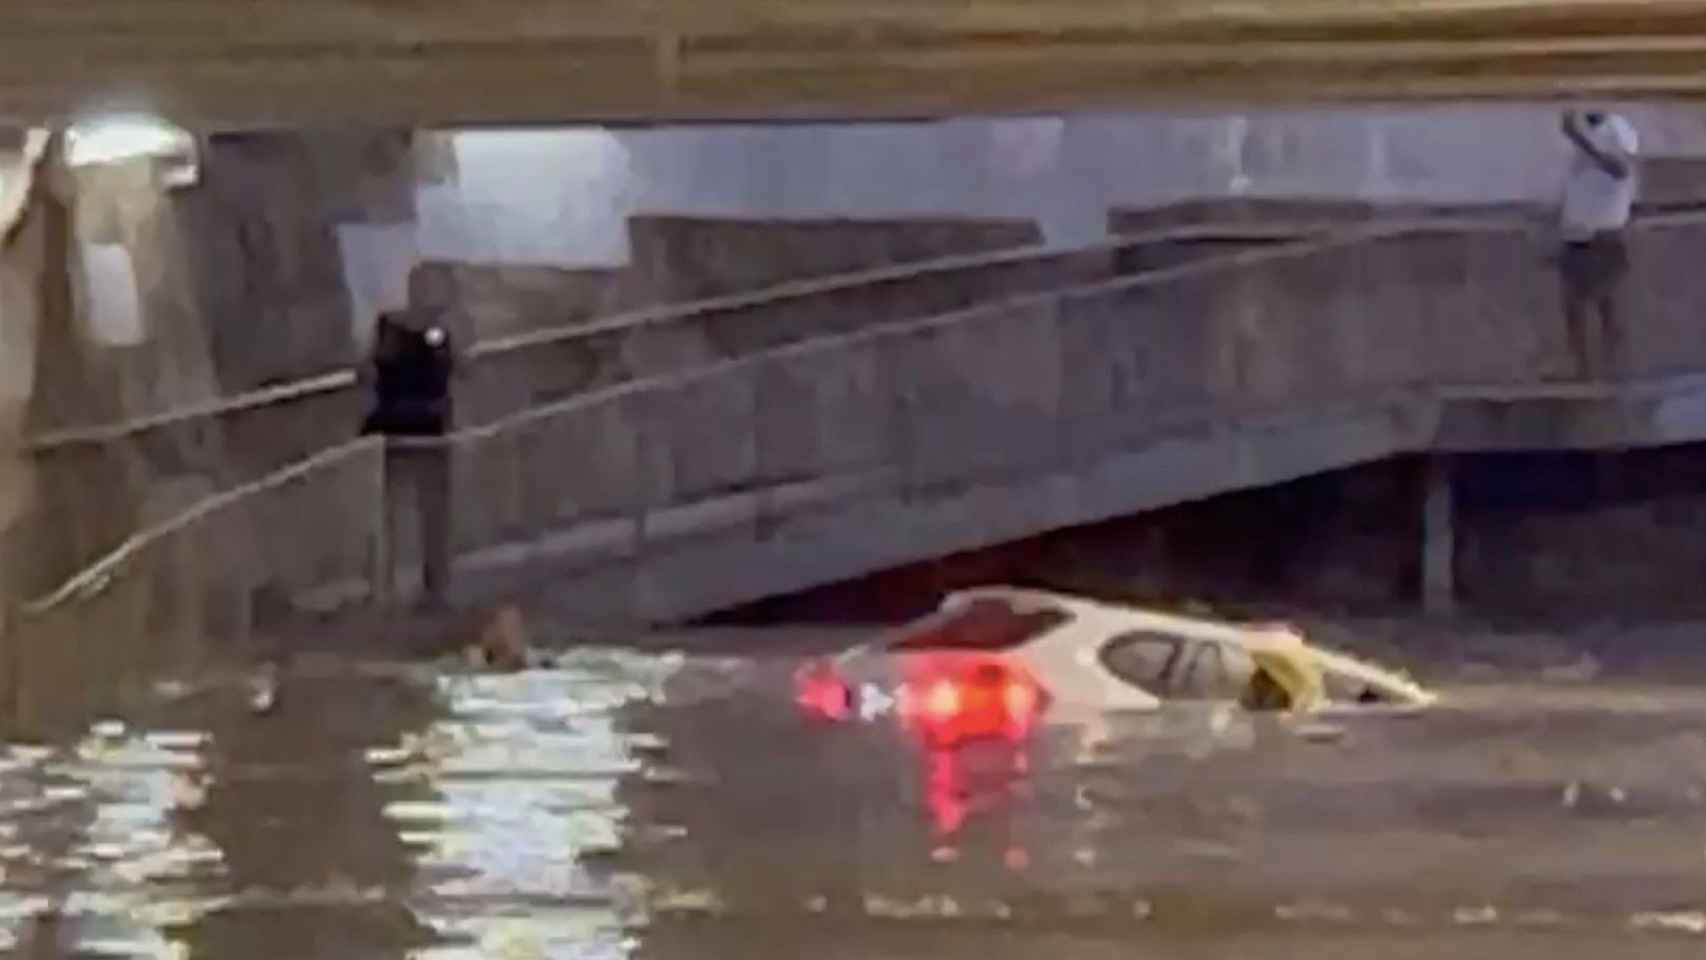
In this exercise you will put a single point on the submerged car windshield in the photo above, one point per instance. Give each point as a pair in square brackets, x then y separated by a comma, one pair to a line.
[983, 624]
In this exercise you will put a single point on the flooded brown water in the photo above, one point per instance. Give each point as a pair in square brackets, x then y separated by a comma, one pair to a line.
[655, 805]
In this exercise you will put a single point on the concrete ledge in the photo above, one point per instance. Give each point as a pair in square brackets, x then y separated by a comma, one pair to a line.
[872, 530]
[1643, 413]
[528, 62]
[728, 550]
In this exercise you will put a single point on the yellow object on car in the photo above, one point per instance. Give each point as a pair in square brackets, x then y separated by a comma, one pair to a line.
[1288, 674]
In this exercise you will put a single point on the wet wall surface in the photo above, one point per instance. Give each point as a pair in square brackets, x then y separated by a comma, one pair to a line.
[666, 806]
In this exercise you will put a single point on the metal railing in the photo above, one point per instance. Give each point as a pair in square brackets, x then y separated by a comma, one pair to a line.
[590, 334]
[194, 588]
[743, 447]
[237, 439]
[1036, 384]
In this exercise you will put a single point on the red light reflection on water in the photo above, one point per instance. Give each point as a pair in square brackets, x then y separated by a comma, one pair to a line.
[820, 692]
[960, 784]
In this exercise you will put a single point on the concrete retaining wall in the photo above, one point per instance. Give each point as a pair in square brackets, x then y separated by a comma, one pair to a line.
[228, 446]
[830, 459]
[563, 196]
[680, 258]
[501, 301]
[167, 299]
[1322, 212]
[791, 464]
[528, 370]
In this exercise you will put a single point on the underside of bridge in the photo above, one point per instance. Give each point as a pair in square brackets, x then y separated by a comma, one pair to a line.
[1540, 536]
[740, 360]
[211, 63]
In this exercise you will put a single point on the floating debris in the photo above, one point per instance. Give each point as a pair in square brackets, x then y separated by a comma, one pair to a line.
[177, 739]
[1680, 921]
[1311, 910]
[171, 690]
[665, 777]
[185, 793]
[263, 689]
[939, 907]
[660, 832]
[1475, 916]
[1322, 732]
[704, 902]
[31, 754]
[388, 756]
[419, 810]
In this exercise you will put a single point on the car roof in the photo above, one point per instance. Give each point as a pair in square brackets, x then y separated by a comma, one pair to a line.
[1109, 620]
[1116, 618]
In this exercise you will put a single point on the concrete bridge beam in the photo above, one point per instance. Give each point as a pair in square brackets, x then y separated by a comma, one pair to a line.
[1439, 538]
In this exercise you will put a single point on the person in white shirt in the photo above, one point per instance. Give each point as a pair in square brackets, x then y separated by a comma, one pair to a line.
[1599, 192]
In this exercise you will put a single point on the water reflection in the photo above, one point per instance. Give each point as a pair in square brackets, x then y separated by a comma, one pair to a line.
[505, 799]
[97, 860]
[312, 862]
[623, 805]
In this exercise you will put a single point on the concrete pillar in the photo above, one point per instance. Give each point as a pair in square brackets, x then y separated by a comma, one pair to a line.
[1439, 538]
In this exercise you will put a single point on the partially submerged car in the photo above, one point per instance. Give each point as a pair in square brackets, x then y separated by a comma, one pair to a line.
[991, 661]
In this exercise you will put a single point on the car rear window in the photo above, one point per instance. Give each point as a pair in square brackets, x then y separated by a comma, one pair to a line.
[984, 624]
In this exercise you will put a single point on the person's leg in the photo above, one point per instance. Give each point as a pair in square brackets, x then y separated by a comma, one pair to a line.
[1573, 265]
[435, 504]
[396, 489]
[1613, 264]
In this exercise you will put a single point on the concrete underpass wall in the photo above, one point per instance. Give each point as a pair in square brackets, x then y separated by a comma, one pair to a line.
[1557, 535]
[169, 464]
[181, 295]
[563, 197]
[678, 213]
[1609, 533]
[265, 301]
[1325, 212]
[832, 459]
[510, 376]
[500, 301]
[676, 258]
[261, 249]
[680, 259]
[22, 261]
[1349, 539]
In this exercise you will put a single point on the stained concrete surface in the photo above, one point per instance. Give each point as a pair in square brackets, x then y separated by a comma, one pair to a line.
[527, 61]
[628, 804]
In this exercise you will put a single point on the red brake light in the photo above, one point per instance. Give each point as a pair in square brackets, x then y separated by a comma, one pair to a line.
[944, 700]
[820, 692]
[949, 702]
[1020, 700]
